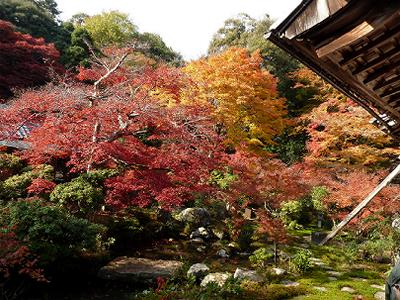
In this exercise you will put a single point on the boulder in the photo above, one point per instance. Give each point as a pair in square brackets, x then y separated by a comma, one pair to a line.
[201, 249]
[200, 232]
[197, 240]
[223, 253]
[219, 233]
[247, 274]
[198, 270]
[138, 270]
[194, 215]
[218, 278]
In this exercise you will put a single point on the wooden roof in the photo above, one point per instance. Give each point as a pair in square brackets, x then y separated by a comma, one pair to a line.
[354, 45]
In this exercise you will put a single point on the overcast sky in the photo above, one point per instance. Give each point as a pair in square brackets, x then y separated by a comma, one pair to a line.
[185, 25]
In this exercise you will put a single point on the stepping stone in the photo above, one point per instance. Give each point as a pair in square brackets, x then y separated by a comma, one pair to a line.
[331, 278]
[358, 279]
[138, 270]
[334, 273]
[379, 296]
[379, 287]
[348, 289]
[321, 288]
[290, 283]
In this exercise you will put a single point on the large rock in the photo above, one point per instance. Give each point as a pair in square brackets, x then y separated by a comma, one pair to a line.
[131, 269]
[195, 215]
[247, 274]
[218, 278]
[200, 232]
[223, 253]
[198, 270]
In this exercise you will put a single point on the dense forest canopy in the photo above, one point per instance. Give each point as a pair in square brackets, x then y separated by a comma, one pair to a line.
[121, 135]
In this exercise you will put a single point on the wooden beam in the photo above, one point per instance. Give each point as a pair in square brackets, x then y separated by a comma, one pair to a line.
[381, 71]
[382, 58]
[371, 45]
[390, 92]
[356, 33]
[385, 83]
[362, 205]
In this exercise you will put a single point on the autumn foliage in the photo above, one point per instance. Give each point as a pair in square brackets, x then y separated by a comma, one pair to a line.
[24, 61]
[16, 258]
[340, 130]
[242, 94]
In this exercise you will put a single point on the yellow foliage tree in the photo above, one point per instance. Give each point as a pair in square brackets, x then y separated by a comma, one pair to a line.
[243, 96]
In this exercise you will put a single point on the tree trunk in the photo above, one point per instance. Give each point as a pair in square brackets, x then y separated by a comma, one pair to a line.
[361, 206]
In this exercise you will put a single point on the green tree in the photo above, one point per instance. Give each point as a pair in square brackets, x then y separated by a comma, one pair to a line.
[48, 5]
[28, 17]
[78, 51]
[111, 28]
[158, 50]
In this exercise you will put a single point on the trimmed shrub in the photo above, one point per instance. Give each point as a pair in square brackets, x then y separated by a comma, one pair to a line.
[50, 232]
[82, 194]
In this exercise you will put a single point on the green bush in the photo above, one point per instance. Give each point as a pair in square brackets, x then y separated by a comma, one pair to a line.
[298, 213]
[318, 193]
[290, 146]
[82, 194]
[222, 179]
[301, 262]
[126, 231]
[15, 186]
[50, 232]
[78, 195]
[260, 257]
[97, 177]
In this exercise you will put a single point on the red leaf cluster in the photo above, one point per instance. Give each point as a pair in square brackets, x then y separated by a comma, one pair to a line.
[24, 61]
[16, 258]
[40, 186]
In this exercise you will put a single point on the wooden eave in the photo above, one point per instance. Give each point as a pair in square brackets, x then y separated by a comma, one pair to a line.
[354, 45]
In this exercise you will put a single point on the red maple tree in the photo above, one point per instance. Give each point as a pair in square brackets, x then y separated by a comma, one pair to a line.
[24, 61]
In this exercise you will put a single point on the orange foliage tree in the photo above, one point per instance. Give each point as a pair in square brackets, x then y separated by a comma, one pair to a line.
[243, 95]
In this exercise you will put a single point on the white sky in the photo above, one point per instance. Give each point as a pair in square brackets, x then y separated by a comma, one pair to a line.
[185, 25]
